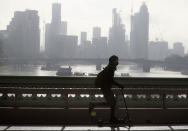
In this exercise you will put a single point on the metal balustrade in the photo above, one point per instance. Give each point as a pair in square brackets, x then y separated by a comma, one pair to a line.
[68, 95]
[79, 91]
[82, 100]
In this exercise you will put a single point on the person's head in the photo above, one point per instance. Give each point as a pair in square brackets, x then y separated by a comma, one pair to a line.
[113, 60]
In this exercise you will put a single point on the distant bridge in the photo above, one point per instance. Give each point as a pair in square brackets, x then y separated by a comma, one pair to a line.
[87, 60]
[64, 100]
[145, 64]
[92, 61]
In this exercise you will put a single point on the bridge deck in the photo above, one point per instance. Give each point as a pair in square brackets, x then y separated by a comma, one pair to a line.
[64, 100]
[81, 117]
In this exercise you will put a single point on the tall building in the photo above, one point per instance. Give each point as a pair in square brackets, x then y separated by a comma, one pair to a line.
[96, 32]
[57, 43]
[53, 29]
[86, 50]
[139, 34]
[56, 18]
[24, 34]
[48, 40]
[117, 44]
[83, 37]
[178, 49]
[56, 13]
[83, 45]
[100, 47]
[3, 43]
[65, 46]
[63, 28]
[99, 44]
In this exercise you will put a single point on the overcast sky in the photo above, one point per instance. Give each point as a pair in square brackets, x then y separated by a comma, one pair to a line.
[168, 18]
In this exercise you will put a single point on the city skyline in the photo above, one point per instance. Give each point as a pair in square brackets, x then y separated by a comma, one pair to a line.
[167, 30]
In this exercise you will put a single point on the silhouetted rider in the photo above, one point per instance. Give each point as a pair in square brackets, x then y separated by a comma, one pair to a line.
[105, 80]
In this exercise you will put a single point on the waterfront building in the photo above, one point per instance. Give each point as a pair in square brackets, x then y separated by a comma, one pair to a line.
[24, 34]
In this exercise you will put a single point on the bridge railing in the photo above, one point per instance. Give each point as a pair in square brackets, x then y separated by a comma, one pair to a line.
[77, 92]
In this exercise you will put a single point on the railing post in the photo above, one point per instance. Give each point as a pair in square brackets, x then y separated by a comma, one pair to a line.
[34, 96]
[164, 101]
[66, 101]
[16, 100]
[48, 96]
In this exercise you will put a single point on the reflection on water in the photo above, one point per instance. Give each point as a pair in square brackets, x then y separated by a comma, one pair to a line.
[134, 71]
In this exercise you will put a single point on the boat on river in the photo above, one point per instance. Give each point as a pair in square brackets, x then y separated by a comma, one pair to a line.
[64, 71]
[79, 74]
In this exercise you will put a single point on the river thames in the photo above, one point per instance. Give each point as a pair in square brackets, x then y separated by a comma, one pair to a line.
[133, 70]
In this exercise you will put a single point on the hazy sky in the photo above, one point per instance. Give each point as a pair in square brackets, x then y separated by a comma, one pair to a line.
[168, 18]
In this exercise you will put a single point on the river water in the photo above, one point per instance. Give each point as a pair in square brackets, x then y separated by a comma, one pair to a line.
[133, 70]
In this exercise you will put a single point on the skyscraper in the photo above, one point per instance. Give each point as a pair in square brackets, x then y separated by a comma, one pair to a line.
[139, 34]
[56, 18]
[99, 44]
[100, 47]
[48, 39]
[96, 32]
[24, 34]
[116, 42]
[58, 44]
[65, 46]
[3, 43]
[63, 29]
[83, 37]
[56, 13]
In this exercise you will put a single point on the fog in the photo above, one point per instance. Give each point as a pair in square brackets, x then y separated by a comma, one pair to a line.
[153, 31]
[168, 18]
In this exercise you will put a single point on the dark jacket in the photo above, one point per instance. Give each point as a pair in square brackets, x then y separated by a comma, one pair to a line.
[106, 77]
